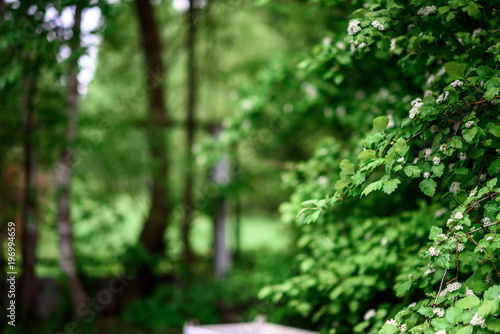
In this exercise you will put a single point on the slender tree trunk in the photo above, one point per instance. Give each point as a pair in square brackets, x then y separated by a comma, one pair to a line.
[30, 205]
[190, 129]
[64, 173]
[152, 236]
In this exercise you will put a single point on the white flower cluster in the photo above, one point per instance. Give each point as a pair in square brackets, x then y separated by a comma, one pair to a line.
[412, 305]
[427, 153]
[463, 156]
[453, 286]
[436, 161]
[437, 311]
[392, 322]
[427, 175]
[442, 97]
[488, 278]
[443, 147]
[459, 227]
[449, 221]
[415, 105]
[402, 328]
[478, 321]
[434, 129]
[401, 160]
[457, 84]
[362, 45]
[468, 292]
[450, 167]
[433, 251]
[369, 314]
[455, 188]
[459, 215]
[486, 220]
[482, 177]
[377, 25]
[427, 10]
[489, 239]
[442, 235]
[469, 124]
[353, 27]
[460, 247]
[393, 44]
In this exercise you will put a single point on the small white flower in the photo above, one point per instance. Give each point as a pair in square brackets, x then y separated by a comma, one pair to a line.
[402, 328]
[401, 160]
[459, 227]
[449, 221]
[434, 129]
[393, 44]
[460, 247]
[450, 167]
[453, 286]
[353, 27]
[427, 153]
[488, 278]
[489, 239]
[478, 321]
[427, 175]
[427, 10]
[377, 25]
[442, 235]
[455, 187]
[443, 147]
[415, 160]
[457, 84]
[459, 215]
[392, 322]
[362, 45]
[369, 314]
[441, 332]
[468, 292]
[486, 220]
[439, 312]
[469, 124]
[412, 305]
[433, 251]
[482, 177]
[436, 160]
[463, 156]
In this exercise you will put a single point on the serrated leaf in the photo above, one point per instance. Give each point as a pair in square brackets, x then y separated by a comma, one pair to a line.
[412, 171]
[456, 142]
[488, 307]
[453, 314]
[438, 170]
[371, 187]
[388, 329]
[443, 9]
[453, 67]
[494, 325]
[469, 134]
[366, 155]
[402, 288]
[426, 311]
[495, 130]
[428, 187]
[380, 123]
[390, 186]
[491, 93]
[492, 293]
[401, 147]
[340, 184]
[466, 330]
[494, 166]
[347, 168]
[467, 302]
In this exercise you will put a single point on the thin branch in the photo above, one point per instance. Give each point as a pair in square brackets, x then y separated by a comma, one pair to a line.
[489, 257]
[440, 287]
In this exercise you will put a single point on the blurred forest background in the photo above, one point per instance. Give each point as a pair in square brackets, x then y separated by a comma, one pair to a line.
[154, 156]
[114, 170]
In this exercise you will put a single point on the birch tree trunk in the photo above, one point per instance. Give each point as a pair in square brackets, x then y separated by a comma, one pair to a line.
[64, 173]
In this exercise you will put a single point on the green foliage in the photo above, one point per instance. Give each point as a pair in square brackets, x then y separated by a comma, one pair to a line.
[369, 257]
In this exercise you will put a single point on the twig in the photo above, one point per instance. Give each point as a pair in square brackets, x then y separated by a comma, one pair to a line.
[440, 287]
[477, 229]
[489, 257]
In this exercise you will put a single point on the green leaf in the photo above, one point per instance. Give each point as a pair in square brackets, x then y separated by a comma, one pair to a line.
[371, 187]
[340, 184]
[494, 166]
[454, 68]
[444, 9]
[495, 130]
[390, 186]
[380, 123]
[491, 93]
[388, 329]
[488, 307]
[465, 330]
[473, 10]
[493, 293]
[469, 134]
[366, 155]
[347, 168]
[412, 171]
[453, 314]
[402, 288]
[438, 170]
[493, 325]
[467, 302]
[401, 147]
[428, 187]
[426, 311]
[456, 142]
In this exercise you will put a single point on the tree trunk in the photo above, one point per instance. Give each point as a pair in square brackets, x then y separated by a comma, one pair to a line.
[30, 205]
[152, 236]
[189, 128]
[64, 173]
